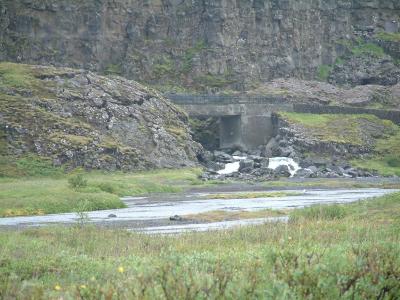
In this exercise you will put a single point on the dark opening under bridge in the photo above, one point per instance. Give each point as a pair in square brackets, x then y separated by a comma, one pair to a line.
[247, 121]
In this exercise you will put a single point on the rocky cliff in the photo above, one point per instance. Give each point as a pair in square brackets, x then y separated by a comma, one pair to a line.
[206, 45]
[77, 118]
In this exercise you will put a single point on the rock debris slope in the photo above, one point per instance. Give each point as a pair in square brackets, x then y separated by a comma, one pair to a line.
[78, 118]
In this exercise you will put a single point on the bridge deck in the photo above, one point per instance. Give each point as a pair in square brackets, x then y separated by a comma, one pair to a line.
[234, 105]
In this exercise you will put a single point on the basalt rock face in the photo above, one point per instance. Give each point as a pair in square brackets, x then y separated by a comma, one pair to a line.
[195, 43]
[80, 119]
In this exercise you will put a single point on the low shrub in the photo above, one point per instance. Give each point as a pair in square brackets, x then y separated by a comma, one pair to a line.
[394, 162]
[77, 181]
[107, 187]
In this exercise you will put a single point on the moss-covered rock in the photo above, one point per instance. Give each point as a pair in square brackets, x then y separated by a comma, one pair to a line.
[77, 118]
[348, 136]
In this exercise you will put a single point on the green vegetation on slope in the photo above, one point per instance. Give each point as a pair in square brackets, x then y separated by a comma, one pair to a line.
[354, 256]
[382, 135]
[29, 165]
[388, 36]
[386, 160]
[323, 72]
[44, 195]
[339, 128]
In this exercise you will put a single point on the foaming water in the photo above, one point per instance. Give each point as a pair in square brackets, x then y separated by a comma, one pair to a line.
[275, 162]
[232, 167]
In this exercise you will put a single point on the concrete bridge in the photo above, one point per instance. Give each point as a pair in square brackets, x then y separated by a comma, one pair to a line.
[247, 121]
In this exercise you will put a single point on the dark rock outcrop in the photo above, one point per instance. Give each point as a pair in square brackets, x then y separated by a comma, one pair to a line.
[78, 118]
[201, 44]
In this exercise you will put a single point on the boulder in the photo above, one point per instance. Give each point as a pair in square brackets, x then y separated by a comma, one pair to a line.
[264, 163]
[352, 172]
[246, 165]
[256, 158]
[205, 156]
[286, 151]
[176, 218]
[223, 157]
[269, 149]
[304, 173]
[282, 171]
[215, 166]
[238, 153]
[313, 169]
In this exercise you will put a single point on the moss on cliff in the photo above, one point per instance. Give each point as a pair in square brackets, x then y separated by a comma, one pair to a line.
[382, 136]
[16, 76]
[390, 37]
[338, 128]
[386, 158]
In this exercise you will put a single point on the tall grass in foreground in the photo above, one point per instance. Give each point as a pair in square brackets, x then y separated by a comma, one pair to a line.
[319, 212]
[356, 256]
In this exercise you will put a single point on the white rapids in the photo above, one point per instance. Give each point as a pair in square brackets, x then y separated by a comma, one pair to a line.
[274, 162]
[232, 167]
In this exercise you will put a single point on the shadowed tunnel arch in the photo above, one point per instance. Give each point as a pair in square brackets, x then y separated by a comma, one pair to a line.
[230, 131]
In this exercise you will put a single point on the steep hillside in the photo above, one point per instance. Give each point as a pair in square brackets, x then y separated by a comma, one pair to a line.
[208, 45]
[77, 118]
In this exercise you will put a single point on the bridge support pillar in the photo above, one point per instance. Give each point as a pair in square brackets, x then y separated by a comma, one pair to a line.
[230, 131]
[245, 131]
[256, 130]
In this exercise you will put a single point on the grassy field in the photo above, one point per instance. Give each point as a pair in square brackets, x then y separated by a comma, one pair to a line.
[328, 252]
[86, 191]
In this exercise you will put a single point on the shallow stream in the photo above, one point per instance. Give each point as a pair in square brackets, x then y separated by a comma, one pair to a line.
[151, 214]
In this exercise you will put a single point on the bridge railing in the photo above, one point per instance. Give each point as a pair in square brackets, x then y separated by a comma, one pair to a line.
[186, 99]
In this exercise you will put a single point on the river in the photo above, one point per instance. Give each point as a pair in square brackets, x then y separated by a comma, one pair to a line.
[151, 214]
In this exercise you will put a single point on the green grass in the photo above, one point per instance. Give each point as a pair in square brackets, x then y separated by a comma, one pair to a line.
[319, 212]
[386, 160]
[16, 76]
[356, 256]
[353, 130]
[363, 49]
[323, 72]
[44, 195]
[381, 164]
[386, 36]
[337, 128]
[113, 69]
